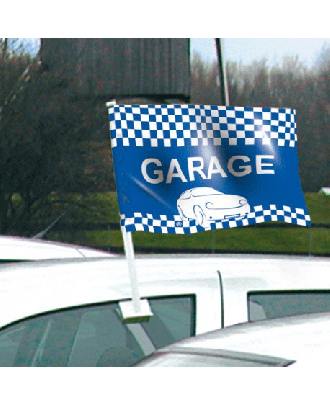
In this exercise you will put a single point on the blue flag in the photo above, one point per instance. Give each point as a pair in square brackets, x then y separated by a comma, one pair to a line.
[189, 168]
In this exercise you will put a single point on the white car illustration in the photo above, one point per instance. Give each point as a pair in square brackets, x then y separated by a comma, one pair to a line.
[205, 204]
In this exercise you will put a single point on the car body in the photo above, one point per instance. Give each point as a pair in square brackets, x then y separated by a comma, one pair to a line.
[66, 312]
[14, 248]
[290, 341]
[205, 204]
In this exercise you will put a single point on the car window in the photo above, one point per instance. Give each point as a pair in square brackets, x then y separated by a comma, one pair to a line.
[272, 304]
[173, 320]
[95, 335]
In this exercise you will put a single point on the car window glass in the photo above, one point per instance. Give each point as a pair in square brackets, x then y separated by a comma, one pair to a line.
[95, 335]
[173, 320]
[271, 304]
[103, 340]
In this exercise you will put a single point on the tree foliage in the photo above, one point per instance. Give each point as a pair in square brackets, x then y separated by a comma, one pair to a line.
[50, 143]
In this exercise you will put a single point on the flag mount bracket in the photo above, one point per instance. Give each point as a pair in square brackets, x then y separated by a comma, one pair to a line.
[131, 315]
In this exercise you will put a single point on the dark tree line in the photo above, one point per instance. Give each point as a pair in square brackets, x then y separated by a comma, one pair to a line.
[53, 144]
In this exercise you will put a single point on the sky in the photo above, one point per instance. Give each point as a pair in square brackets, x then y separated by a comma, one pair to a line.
[251, 30]
[247, 50]
[274, 49]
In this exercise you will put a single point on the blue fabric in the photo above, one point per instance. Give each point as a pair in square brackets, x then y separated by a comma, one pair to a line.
[185, 168]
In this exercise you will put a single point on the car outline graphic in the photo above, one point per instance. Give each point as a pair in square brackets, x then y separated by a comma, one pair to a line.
[205, 205]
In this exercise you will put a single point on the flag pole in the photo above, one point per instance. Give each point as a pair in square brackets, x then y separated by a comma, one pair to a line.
[129, 253]
[137, 309]
[224, 93]
[222, 72]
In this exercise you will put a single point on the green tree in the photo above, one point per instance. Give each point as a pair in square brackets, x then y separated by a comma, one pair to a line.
[205, 87]
[50, 144]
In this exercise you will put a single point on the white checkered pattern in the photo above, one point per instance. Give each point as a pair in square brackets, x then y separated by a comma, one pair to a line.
[182, 125]
[176, 225]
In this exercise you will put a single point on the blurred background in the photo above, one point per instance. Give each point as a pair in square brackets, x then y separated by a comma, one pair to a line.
[56, 163]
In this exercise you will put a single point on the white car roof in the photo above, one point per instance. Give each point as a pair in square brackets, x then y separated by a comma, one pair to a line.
[294, 338]
[246, 273]
[21, 249]
[34, 287]
[31, 288]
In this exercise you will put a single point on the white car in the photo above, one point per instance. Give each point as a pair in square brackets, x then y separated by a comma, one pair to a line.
[68, 312]
[297, 341]
[28, 249]
[205, 204]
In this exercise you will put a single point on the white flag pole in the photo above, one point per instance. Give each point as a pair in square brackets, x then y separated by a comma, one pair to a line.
[135, 310]
[129, 252]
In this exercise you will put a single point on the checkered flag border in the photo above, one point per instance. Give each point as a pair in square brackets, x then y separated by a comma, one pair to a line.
[200, 125]
[176, 225]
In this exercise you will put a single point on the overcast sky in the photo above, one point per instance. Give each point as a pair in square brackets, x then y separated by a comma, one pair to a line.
[249, 49]
[274, 49]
